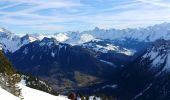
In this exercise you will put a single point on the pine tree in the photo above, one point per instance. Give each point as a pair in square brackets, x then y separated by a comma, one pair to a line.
[8, 76]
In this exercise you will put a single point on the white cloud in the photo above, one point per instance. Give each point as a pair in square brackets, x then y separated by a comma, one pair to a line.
[46, 27]
[161, 3]
[119, 14]
[11, 5]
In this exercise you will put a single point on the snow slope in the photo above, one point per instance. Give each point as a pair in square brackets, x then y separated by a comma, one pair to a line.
[32, 94]
[4, 95]
[159, 54]
[29, 94]
[107, 47]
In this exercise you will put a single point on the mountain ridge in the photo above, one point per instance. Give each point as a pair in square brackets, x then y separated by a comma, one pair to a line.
[147, 34]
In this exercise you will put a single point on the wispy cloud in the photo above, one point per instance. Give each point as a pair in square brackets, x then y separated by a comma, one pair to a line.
[64, 15]
[161, 3]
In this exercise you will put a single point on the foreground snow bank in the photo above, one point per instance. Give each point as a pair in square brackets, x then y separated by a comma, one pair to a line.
[29, 94]
[32, 94]
[4, 95]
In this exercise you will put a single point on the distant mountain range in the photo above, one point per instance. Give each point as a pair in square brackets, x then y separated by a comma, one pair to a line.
[13, 42]
[128, 62]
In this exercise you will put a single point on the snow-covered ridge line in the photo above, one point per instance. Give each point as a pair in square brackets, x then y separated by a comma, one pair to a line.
[13, 42]
[159, 54]
[108, 47]
[150, 33]
[142, 92]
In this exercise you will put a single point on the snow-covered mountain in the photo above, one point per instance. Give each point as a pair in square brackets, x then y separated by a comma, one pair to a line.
[150, 33]
[94, 55]
[146, 78]
[147, 34]
[57, 62]
[159, 55]
[105, 47]
[11, 42]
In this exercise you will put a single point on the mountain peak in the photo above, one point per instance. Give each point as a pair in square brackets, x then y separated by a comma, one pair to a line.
[29, 38]
[161, 42]
[48, 41]
[6, 34]
[3, 30]
[159, 55]
[96, 29]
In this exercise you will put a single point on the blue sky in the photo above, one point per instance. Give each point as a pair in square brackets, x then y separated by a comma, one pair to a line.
[50, 16]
